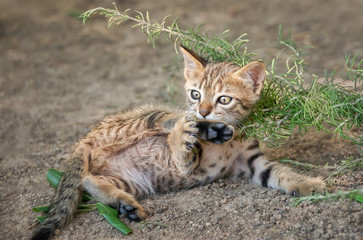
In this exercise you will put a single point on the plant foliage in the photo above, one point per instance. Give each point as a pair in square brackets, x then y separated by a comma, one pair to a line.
[356, 195]
[286, 102]
[111, 215]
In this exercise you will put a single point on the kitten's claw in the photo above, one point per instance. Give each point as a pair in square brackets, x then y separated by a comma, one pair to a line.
[295, 193]
[189, 146]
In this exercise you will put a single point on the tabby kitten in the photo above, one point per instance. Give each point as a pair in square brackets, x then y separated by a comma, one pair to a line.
[156, 149]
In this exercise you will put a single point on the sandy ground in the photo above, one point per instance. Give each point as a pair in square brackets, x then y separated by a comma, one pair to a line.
[58, 77]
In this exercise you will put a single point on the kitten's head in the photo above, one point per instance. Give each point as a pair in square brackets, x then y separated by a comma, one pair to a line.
[221, 91]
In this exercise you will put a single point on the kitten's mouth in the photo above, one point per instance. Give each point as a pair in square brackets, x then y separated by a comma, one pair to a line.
[228, 120]
[208, 117]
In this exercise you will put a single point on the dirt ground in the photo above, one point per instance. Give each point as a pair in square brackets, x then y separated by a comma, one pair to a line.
[58, 77]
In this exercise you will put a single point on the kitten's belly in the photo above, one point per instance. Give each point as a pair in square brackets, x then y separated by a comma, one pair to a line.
[147, 166]
[218, 160]
[141, 164]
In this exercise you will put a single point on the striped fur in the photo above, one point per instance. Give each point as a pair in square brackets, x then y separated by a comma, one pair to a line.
[157, 149]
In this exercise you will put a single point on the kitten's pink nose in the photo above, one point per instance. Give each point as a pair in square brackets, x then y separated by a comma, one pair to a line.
[204, 112]
[205, 109]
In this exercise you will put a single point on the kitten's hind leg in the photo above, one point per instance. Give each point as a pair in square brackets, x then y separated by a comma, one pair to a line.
[275, 175]
[104, 191]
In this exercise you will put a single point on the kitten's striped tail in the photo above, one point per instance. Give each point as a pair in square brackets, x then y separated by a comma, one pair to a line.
[65, 203]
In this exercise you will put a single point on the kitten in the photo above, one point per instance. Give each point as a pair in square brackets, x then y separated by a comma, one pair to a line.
[156, 149]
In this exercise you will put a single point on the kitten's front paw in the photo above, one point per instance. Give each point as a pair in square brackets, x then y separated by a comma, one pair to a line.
[310, 186]
[189, 131]
[219, 133]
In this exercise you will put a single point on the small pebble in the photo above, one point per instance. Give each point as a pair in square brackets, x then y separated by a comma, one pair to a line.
[224, 200]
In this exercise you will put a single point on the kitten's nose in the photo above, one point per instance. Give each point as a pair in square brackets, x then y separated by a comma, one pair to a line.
[205, 108]
[204, 112]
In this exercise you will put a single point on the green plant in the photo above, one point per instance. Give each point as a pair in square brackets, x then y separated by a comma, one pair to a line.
[349, 164]
[286, 103]
[356, 195]
[302, 164]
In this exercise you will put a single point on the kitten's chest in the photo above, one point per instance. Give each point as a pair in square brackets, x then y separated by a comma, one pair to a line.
[217, 160]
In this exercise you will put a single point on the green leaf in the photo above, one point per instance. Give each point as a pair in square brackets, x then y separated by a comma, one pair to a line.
[42, 218]
[54, 176]
[86, 197]
[111, 215]
[45, 208]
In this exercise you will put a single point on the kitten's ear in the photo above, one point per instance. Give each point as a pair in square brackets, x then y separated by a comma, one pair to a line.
[193, 64]
[254, 73]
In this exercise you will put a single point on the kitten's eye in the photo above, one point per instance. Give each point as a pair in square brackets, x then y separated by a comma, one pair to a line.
[195, 94]
[224, 100]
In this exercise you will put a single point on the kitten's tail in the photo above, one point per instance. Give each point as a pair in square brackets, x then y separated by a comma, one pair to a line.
[64, 205]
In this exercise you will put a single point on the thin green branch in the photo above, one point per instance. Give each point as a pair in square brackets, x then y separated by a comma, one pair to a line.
[306, 165]
[217, 46]
[356, 195]
[346, 164]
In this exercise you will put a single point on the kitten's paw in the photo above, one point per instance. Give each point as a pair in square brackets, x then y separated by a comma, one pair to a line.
[133, 213]
[189, 133]
[219, 133]
[310, 186]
